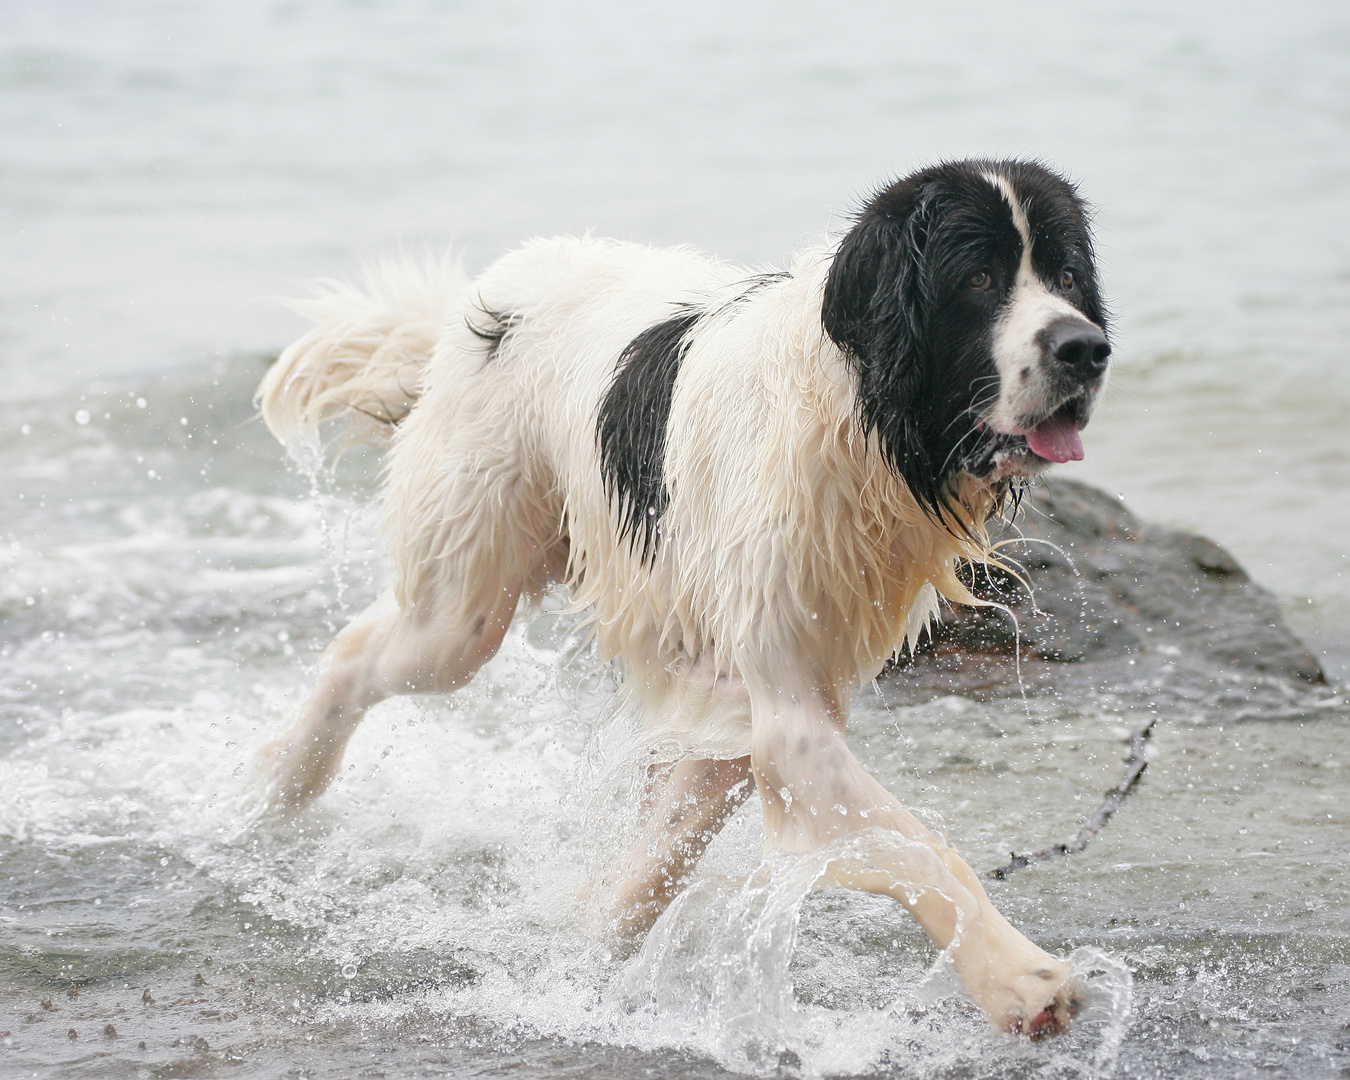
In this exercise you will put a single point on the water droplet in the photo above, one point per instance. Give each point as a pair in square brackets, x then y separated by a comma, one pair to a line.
[349, 971]
[82, 416]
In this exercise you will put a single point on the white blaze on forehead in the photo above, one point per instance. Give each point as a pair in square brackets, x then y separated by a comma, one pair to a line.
[1019, 356]
[1019, 212]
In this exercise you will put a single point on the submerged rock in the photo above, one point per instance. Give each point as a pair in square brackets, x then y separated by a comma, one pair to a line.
[1111, 603]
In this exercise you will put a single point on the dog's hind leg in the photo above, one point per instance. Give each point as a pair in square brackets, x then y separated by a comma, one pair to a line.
[479, 534]
[385, 651]
[816, 792]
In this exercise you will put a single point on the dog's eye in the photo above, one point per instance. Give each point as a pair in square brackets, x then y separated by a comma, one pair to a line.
[982, 280]
[1066, 278]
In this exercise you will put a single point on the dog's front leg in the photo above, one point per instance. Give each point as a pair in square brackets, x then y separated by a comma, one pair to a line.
[815, 792]
[686, 804]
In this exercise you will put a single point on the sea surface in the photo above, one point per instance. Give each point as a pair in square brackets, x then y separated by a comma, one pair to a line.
[168, 169]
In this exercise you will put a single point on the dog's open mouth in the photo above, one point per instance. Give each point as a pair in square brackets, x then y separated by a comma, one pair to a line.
[1054, 440]
[1057, 438]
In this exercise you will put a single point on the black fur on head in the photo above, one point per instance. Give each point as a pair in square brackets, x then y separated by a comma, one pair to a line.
[899, 303]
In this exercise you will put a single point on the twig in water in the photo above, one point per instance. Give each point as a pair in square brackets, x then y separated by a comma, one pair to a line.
[1135, 765]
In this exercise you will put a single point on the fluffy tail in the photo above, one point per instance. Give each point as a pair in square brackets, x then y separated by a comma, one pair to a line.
[362, 363]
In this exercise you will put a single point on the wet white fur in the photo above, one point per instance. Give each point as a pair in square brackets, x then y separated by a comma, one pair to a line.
[786, 533]
[791, 563]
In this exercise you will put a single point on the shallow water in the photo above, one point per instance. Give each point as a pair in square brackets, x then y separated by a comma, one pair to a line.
[168, 582]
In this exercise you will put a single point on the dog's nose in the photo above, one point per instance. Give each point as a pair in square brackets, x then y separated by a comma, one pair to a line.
[1081, 347]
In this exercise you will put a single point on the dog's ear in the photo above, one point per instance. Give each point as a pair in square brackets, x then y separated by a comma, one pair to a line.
[874, 306]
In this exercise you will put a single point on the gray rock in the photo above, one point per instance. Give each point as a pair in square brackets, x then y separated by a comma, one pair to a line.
[1111, 603]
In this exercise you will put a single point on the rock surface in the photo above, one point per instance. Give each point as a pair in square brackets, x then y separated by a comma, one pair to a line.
[1115, 605]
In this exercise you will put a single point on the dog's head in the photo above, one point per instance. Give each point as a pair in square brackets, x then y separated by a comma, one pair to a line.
[965, 298]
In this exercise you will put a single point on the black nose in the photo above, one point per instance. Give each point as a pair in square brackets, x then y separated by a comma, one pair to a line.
[1081, 347]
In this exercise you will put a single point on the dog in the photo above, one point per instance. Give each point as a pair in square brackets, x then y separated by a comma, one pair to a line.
[758, 484]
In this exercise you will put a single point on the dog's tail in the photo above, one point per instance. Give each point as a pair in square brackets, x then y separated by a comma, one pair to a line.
[362, 362]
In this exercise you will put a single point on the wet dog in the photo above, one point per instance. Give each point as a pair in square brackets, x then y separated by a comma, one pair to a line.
[758, 485]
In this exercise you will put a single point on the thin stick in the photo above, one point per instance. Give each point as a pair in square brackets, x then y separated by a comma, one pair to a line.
[1135, 765]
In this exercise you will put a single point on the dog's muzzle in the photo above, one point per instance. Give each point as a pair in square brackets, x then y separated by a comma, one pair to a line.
[1074, 355]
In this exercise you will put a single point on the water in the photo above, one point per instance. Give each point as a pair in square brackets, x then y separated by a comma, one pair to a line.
[167, 582]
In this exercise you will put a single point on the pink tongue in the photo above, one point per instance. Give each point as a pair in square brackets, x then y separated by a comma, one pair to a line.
[1057, 440]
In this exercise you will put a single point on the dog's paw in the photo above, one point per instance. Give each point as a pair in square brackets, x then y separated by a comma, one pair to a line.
[1037, 1003]
[1022, 989]
[288, 779]
[1055, 1018]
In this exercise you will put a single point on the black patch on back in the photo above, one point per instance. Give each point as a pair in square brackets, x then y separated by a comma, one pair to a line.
[492, 329]
[631, 428]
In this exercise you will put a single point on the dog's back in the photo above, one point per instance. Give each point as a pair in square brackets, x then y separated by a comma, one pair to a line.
[363, 362]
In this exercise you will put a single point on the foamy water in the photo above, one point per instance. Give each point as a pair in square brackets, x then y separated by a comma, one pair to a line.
[167, 582]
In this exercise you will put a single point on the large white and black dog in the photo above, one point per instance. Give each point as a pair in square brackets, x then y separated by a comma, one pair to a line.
[758, 483]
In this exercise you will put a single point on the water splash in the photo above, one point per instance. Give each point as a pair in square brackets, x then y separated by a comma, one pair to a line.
[715, 975]
[1108, 982]
[715, 965]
